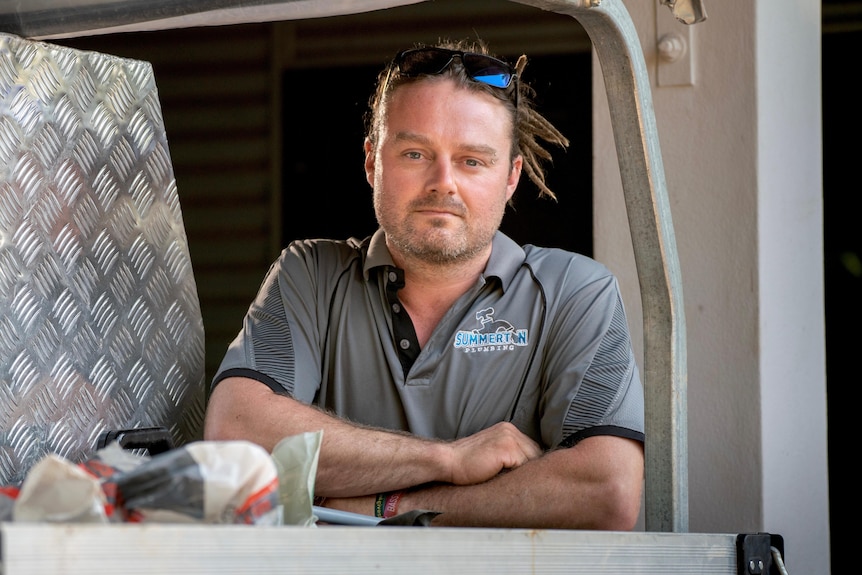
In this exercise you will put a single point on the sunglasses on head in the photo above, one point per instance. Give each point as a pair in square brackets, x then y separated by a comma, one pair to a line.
[479, 67]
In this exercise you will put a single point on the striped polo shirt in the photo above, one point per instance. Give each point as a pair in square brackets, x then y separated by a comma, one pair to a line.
[540, 340]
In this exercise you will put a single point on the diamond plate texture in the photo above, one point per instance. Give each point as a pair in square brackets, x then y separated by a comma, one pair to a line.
[100, 322]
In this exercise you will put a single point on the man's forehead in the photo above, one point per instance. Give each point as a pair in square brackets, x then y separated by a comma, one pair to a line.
[443, 103]
[436, 87]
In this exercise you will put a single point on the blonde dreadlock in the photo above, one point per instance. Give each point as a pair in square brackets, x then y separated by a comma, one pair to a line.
[530, 126]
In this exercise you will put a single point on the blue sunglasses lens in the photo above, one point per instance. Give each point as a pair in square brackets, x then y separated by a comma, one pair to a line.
[488, 70]
[496, 80]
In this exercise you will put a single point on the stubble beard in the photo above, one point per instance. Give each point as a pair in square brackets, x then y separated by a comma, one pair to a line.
[437, 244]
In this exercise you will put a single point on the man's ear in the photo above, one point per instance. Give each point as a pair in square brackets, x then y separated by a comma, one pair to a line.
[514, 176]
[369, 162]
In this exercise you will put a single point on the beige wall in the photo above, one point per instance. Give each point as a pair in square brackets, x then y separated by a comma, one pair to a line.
[743, 165]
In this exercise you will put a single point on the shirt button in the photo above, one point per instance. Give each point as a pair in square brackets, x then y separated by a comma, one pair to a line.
[393, 276]
[405, 344]
[396, 308]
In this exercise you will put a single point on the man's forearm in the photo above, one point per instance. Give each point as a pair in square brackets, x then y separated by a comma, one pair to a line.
[564, 489]
[357, 460]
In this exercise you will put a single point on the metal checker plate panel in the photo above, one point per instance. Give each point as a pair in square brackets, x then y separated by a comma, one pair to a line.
[100, 323]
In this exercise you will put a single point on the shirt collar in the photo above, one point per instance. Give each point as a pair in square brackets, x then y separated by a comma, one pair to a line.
[378, 254]
[506, 257]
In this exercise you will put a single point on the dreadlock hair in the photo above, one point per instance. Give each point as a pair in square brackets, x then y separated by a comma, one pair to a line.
[528, 126]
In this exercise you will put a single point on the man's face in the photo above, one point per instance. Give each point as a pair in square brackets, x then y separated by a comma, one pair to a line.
[441, 171]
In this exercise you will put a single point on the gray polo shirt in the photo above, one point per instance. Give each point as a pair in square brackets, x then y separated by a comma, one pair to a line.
[540, 340]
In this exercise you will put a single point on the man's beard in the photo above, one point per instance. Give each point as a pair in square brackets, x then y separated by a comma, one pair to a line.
[436, 245]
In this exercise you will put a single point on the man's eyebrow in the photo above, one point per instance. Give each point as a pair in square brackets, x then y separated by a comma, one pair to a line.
[420, 139]
[411, 137]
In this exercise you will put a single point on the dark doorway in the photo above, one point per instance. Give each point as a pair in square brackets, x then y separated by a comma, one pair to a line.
[842, 210]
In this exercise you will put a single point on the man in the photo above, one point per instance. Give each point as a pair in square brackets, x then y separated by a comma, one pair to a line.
[449, 368]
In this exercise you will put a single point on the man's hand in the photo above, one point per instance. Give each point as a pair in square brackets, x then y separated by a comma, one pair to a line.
[483, 455]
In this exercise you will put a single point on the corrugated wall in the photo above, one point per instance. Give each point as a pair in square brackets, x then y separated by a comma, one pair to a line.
[218, 104]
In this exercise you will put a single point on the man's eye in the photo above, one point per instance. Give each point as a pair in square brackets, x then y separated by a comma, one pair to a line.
[414, 155]
[473, 162]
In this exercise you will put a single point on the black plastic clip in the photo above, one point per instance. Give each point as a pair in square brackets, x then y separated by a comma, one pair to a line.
[754, 553]
[154, 439]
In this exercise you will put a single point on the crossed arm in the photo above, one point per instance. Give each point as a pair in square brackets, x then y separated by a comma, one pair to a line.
[498, 477]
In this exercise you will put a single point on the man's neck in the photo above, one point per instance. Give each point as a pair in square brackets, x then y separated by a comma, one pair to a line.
[431, 289]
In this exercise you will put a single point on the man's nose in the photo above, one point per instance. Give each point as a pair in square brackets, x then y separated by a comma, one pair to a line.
[442, 176]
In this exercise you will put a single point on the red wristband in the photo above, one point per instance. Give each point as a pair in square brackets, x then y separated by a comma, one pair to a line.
[390, 506]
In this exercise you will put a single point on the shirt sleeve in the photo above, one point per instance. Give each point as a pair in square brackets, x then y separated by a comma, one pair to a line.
[593, 385]
[280, 342]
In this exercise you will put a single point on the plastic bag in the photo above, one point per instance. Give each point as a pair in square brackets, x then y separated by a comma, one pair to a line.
[234, 482]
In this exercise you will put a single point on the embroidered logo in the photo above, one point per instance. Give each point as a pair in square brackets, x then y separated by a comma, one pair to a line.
[491, 335]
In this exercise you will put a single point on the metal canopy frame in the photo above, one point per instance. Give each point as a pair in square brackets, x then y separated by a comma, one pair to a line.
[206, 550]
[617, 47]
